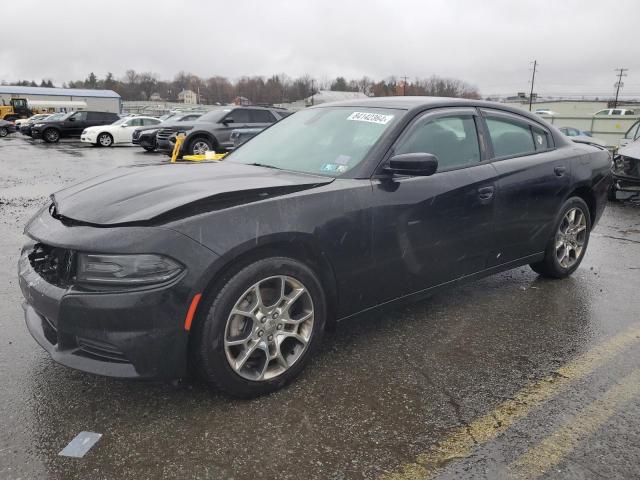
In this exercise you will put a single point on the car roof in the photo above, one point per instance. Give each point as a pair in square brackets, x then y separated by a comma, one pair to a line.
[423, 103]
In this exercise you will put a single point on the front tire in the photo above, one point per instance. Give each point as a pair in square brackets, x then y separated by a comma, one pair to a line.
[150, 149]
[568, 244]
[200, 146]
[51, 135]
[104, 140]
[4, 132]
[261, 328]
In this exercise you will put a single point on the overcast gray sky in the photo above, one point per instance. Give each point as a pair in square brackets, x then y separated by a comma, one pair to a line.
[489, 43]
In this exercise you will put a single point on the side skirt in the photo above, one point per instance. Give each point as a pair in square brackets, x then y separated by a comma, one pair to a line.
[427, 292]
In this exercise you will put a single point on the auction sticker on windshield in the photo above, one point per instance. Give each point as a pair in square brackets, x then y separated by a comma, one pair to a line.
[370, 117]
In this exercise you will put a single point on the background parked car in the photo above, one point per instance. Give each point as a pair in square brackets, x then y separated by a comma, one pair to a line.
[582, 136]
[146, 136]
[631, 136]
[213, 130]
[26, 128]
[71, 125]
[614, 111]
[118, 132]
[6, 128]
[545, 111]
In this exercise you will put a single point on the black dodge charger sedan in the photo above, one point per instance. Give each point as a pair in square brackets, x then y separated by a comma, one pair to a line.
[237, 267]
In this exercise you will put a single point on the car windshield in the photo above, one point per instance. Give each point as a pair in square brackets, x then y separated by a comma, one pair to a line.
[325, 141]
[57, 116]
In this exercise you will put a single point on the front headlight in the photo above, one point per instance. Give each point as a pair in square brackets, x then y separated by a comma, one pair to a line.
[38, 125]
[138, 269]
[149, 132]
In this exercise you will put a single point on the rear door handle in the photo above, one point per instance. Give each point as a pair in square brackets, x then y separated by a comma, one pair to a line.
[486, 193]
[559, 171]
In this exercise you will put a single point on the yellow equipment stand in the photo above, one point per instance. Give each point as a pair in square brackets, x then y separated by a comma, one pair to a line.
[192, 158]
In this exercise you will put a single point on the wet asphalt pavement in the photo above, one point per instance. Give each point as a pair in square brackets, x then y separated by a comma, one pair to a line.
[511, 376]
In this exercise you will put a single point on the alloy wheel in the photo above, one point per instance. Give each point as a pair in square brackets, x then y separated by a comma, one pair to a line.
[269, 328]
[105, 140]
[52, 135]
[4, 132]
[200, 148]
[571, 237]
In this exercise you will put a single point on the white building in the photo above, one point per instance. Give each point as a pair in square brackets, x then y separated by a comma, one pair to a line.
[188, 96]
[98, 100]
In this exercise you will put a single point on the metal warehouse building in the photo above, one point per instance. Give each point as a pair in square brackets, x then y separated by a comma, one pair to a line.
[99, 100]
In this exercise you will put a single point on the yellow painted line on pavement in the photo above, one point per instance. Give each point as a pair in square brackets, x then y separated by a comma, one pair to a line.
[550, 451]
[461, 441]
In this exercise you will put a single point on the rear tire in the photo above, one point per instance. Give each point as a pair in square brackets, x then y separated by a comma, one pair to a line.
[104, 140]
[51, 135]
[4, 132]
[261, 349]
[568, 244]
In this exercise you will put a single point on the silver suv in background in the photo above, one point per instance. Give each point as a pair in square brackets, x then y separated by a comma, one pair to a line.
[213, 130]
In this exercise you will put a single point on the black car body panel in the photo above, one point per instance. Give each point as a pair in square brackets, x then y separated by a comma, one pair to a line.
[169, 187]
[372, 237]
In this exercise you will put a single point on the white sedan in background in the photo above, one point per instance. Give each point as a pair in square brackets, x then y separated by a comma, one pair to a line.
[118, 132]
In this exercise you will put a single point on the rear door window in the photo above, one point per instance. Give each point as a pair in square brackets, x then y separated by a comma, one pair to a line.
[541, 138]
[262, 116]
[512, 135]
[239, 116]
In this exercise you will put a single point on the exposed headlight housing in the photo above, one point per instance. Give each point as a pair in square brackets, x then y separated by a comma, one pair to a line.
[149, 132]
[133, 270]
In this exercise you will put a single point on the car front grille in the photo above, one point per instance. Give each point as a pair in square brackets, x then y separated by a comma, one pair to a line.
[53, 264]
[98, 350]
[165, 133]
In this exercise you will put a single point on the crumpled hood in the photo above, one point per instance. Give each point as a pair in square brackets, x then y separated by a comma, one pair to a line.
[156, 193]
[632, 150]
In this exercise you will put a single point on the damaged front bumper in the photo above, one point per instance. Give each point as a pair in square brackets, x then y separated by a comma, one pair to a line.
[626, 178]
[127, 332]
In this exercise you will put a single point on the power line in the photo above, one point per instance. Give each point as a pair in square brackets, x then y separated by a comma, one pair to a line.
[619, 83]
[533, 79]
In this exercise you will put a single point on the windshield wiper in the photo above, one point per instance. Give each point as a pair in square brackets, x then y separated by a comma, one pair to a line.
[264, 165]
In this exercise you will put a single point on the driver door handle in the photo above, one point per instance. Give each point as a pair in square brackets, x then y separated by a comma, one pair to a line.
[486, 193]
[559, 171]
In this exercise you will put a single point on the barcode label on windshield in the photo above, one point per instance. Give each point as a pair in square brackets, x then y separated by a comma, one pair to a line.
[370, 117]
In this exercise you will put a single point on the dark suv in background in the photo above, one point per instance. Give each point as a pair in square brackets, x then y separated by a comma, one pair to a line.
[71, 125]
[146, 136]
[213, 130]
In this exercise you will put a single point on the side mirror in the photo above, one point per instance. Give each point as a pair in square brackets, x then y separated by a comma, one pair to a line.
[124, 125]
[72, 119]
[227, 120]
[417, 164]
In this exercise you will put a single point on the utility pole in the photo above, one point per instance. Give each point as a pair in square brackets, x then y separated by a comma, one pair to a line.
[619, 83]
[404, 86]
[533, 79]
